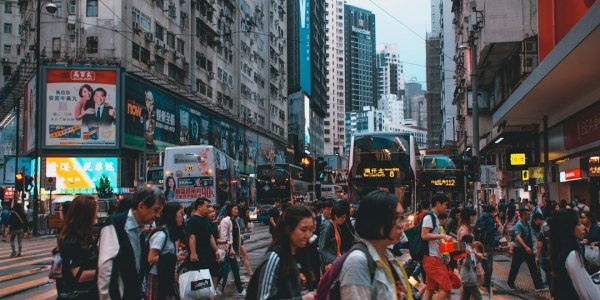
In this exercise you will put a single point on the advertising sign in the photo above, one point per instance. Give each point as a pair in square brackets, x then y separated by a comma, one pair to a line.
[269, 152]
[569, 175]
[151, 116]
[594, 166]
[518, 159]
[304, 45]
[81, 108]
[30, 122]
[583, 128]
[25, 167]
[227, 139]
[79, 175]
[193, 126]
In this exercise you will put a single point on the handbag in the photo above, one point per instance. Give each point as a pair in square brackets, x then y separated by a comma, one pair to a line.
[56, 265]
[196, 285]
[85, 294]
[592, 255]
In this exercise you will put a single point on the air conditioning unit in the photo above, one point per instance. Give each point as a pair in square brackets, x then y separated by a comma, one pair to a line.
[211, 75]
[184, 61]
[151, 63]
[136, 26]
[148, 36]
[4, 60]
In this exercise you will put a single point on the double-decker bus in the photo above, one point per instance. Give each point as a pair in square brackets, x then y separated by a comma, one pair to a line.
[200, 171]
[383, 161]
[280, 181]
[440, 173]
[154, 176]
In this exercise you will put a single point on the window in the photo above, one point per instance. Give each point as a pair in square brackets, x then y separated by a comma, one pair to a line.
[170, 39]
[8, 7]
[140, 20]
[91, 44]
[160, 32]
[8, 28]
[72, 7]
[6, 70]
[159, 64]
[59, 11]
[135, 51]
[91, 9]
[7, 49]
[56, 48]
[180, 46]
[144, 55]
[176, 73]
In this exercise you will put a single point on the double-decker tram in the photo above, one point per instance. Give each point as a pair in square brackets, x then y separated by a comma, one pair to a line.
[440, 173]
[383, 161]
[280, 181]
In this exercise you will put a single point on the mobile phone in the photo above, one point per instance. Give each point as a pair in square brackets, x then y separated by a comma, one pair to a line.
[246, 237]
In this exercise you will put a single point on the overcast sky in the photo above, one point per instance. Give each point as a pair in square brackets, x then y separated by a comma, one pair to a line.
[407, 26]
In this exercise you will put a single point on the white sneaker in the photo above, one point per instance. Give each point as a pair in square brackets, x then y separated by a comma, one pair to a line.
[243, 292]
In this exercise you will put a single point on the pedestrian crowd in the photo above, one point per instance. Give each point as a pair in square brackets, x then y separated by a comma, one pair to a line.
[149, 249]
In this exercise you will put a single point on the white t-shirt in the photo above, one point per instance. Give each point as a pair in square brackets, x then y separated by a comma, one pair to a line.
[434, 249]
[156, 242]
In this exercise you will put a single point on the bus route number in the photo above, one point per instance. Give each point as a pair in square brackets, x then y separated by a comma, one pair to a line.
[444, 182]
[189, 168]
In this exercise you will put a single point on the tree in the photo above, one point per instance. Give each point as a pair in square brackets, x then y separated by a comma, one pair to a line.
[103, 188]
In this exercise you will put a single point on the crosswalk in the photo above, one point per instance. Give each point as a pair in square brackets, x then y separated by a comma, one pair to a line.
[26, 277]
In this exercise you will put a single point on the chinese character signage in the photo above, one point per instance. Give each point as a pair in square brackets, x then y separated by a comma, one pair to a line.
[583, 128]
[82, 108]
[30, 122]
[518, 159]
[304, 45]
[387, 173]
[570, 175]
[594, 166]
[79, 175]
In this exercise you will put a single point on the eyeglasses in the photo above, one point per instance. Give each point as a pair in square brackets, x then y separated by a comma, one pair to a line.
[399, 220]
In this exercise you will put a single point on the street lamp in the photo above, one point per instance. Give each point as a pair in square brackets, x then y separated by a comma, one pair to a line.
[51, 8]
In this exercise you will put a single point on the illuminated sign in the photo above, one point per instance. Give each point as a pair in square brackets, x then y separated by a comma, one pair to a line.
[380, 172]
[79, 175]
[569, 175]
[9, 193]
[517, 159]
[444, 182]
[594, 166]
[525, 175]
[360, 30]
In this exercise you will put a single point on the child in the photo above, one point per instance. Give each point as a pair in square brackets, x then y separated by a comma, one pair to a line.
[468, 270]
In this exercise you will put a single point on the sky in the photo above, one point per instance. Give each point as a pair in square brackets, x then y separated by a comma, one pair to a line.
[404, 23]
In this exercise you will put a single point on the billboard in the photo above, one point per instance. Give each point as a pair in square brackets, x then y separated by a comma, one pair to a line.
[151, 117]
[26, 166]
[81, 108]
[79, 175]
[30, 121]
[304, 45]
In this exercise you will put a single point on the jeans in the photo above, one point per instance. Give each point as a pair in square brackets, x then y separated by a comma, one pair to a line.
[19, 235]
[231, 262]
[487, 264]
[469, 291]
[519, 256]
[545, 265]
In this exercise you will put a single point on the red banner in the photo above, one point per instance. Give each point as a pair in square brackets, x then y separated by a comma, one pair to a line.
[583, 128]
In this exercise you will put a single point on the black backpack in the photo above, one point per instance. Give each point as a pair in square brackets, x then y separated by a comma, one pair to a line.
[417, 247]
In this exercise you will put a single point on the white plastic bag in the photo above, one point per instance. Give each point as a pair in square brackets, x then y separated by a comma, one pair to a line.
[592, 255]
[196, 285]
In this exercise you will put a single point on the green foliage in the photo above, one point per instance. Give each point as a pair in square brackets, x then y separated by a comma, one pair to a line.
[103, 188]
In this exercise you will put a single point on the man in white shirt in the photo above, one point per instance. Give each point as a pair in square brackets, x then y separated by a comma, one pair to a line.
[437, 272]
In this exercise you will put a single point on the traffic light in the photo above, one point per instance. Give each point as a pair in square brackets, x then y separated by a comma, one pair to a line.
[320, 168]
[468, 168]
[28, 183]
[19, 182]
[305, 161]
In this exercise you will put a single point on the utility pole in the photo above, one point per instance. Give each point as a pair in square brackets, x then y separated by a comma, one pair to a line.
[314, 167]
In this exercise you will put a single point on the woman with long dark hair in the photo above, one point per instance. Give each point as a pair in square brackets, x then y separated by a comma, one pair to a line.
[164, 254]
[571, 280]
[170, 188]
[286, 270]
[229, 231]
[592, 230]
[78, 250]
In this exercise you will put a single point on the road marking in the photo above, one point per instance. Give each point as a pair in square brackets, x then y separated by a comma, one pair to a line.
[22, 287]
[25, 255]
[30, 262]
[47, 295]
[22, 274]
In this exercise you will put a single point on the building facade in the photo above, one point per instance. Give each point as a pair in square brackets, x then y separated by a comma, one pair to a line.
[434, 89]
[336, 109]
[360, 59]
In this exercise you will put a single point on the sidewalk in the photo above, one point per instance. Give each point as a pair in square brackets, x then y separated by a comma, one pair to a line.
[524, 283]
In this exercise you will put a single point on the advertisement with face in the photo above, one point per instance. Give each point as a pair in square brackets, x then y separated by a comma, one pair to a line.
[151, 116]
[30, 122]
[26, 167]
[248, 163]
[270, 152]
[81, 108]
[79, 175]
[227, 138]
[193, 128]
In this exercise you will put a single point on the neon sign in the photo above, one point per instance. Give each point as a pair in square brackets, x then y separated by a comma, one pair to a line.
[380, 172]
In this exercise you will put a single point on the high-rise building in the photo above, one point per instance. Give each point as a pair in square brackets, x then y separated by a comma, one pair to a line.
[447, 67]
[307, 75]
[414, 107]
[390, 73]
[392, 107]
[432, 97]
[334, 120]
[360, 61]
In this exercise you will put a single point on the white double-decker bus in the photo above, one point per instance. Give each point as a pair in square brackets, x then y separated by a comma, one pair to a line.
[200, 171]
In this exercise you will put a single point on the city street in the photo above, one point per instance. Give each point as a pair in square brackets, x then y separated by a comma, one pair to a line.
[26, 277]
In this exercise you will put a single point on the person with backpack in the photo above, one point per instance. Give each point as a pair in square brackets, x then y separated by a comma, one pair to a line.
[78, 251]
[286, 272]
[485, 232]
[369, 270]
[17, 226]
[123, 256]
[524, 252]
[330, 241]
[437, 272]
[164, 254]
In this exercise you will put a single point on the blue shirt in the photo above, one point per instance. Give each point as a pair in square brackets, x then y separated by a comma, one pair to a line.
[525, 230]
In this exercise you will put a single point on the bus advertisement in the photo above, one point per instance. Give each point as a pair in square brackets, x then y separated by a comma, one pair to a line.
[383, 161]
[200, 171]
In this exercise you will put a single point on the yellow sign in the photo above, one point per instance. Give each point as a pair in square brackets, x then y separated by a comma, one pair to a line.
[537, 173]
[525, 175]
[189, 168]
[517, 159]
[443, 182]
[380, 172]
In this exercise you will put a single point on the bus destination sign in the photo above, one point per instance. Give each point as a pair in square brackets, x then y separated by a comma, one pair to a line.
[443, 182]
[390, 173]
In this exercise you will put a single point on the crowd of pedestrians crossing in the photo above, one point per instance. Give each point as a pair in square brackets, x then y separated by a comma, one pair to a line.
[326, 250]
